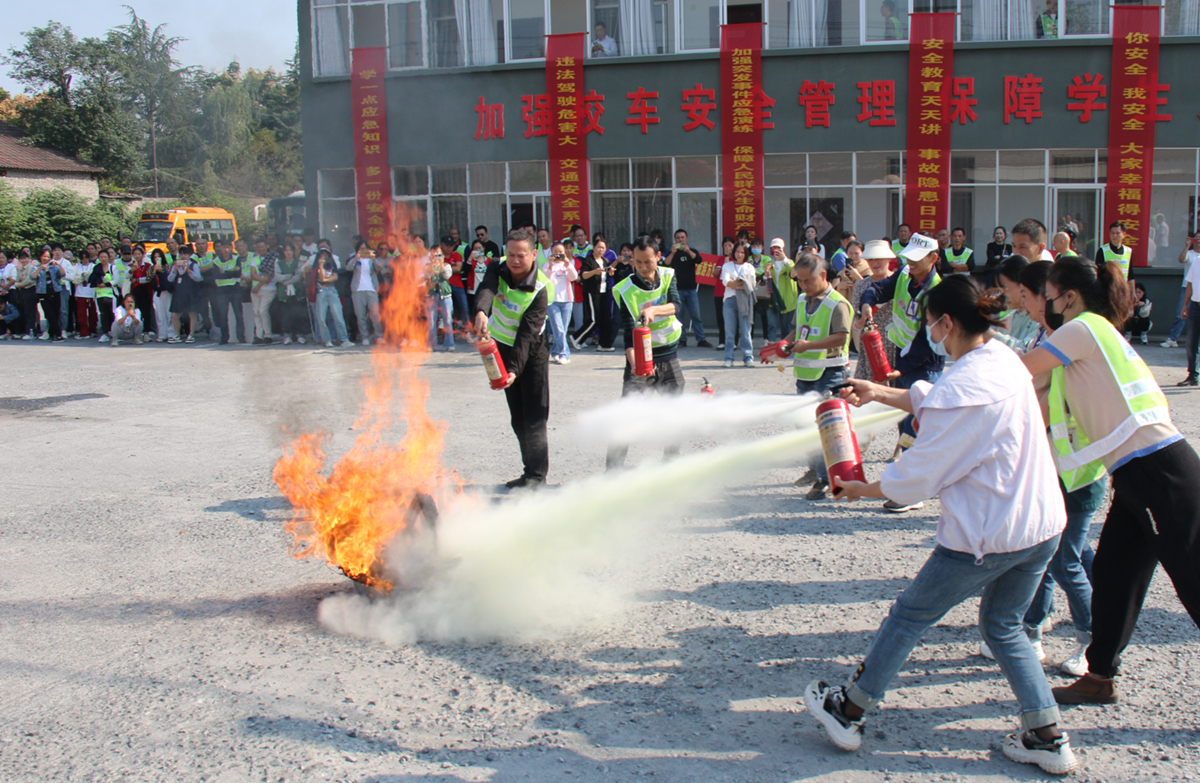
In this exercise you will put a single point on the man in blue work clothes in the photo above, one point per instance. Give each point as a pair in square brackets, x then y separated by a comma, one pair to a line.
[906, 290]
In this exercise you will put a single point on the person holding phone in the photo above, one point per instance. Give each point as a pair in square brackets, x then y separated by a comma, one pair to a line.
[560, 269]
[983, 451]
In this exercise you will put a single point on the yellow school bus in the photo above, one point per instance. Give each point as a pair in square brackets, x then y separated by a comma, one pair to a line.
[185, 224]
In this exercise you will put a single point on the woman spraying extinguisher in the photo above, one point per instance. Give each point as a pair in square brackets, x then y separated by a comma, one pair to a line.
[1106, 412]
[648, 301]
[984, 453]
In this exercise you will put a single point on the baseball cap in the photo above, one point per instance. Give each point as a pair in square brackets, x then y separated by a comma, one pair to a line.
[878, 248]
[778, 242]
[918, 247]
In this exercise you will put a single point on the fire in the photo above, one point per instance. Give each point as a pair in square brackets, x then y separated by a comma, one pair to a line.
[351, 516]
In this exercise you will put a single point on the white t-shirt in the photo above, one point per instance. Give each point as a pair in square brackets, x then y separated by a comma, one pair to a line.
[1192, 274]
[608, 47]
[1189, 263]
[82, 289]
[123, 316]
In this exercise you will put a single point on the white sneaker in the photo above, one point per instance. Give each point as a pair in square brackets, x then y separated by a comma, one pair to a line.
[115, 342]
[287, 341]
[986, 652]
[721, 346]
[1054, 757]
[43, 336]
[328, 344]
[555, 360]
[900, 508]
[565, 360]
[302, 340]
[1077, 664]
[729, 362]
[366, 342]
[1169, 343]
[824, 702]
[104, 338]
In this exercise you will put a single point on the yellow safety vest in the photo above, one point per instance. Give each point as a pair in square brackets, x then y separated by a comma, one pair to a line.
[509, 307]
[809, 365]
[1079, 457]
[907, 312]
[663, 331]
[1123, 258]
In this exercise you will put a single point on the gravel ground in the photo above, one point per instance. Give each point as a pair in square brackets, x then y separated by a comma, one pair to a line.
[154, 628]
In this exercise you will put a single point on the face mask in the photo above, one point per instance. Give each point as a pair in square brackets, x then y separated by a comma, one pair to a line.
[756, 251]
[939, 348]
[1054, 320]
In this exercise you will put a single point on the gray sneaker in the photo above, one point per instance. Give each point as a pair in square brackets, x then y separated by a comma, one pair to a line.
[900, 508]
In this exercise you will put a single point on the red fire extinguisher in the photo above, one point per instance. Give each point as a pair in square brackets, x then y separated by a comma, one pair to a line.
[842, 457]
[707, 388]
[492, 362]
[643, 352]
[872, 345]
[772, 351]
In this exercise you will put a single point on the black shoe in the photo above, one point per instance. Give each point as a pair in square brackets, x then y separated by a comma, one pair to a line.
[704, 344]
[223, 342]
[683, 343]
[525, 482]
[1189, 382]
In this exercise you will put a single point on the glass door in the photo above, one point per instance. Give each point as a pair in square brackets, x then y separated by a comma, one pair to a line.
[696, 213]
[1079, 209]
[529, 208]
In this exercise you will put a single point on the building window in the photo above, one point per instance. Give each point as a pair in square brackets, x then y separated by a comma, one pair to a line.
[331, 39]
[338, 205]
[406, 45]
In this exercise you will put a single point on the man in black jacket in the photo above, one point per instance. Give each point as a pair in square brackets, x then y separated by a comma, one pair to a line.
[511, 307]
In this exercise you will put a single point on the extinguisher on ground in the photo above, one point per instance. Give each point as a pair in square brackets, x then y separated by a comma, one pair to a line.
[643, 352]
[492, 363]
[843, 460]
[872, 345]
[707, 388]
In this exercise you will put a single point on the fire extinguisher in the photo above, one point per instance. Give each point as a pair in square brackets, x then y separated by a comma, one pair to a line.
[842, 457]
[872, 345]
[772, 351]
[492, 362]
[643, 352]
[707, 388]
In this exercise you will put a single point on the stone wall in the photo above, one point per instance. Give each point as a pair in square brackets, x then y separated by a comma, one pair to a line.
[26, 182]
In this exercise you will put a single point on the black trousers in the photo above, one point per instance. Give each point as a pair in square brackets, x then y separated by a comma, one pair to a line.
[51, 308]
[667, 379]
[27, 304]
[596, 320]
[720, 303]
[1154, 518]
[143, 300]
[529, 407]
[223, 298]
[107, 311]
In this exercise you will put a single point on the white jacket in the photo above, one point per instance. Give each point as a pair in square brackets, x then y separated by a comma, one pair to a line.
[982, 449]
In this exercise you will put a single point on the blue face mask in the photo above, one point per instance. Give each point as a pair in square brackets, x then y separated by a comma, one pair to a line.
[939, 348]
[756, 251]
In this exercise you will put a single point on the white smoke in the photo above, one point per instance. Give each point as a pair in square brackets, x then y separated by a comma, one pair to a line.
[550, 562]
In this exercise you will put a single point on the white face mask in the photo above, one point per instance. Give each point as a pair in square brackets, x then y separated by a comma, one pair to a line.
[938, 347]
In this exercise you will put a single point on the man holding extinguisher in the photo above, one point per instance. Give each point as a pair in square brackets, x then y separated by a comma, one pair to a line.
[649, 300]
[511, 308]
[819, 345]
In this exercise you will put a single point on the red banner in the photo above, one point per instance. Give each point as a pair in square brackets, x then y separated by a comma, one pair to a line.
[1133, 112]
[372, 177]
[741, 128]
[927, 165]
[566, 141]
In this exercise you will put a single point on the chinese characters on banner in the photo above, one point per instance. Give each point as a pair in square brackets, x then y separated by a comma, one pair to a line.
[1134, 102]
[927, 165]
[741, 128]
[566, 140]
[372, 176]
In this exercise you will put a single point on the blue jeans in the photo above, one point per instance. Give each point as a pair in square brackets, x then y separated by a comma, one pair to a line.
[737, 329]
[908, 433]
[1066, 568]
[445, 309]
[769, 318]
[1177, 326]
[831, 377]
[691, 314]
[328, 302]
[1008, 581]
[560, 322]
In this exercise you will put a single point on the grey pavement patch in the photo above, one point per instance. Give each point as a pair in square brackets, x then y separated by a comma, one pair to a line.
[35, 404]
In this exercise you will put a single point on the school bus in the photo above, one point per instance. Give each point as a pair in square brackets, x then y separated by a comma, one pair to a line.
[185, 224]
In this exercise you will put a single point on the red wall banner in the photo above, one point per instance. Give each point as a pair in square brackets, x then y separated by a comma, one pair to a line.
[566, 141]
[1133, 113]
[372, 175]
[927, 165]
[741, 128]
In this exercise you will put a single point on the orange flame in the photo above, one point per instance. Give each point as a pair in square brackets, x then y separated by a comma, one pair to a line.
[351, 516]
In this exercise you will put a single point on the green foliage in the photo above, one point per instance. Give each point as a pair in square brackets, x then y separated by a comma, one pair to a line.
[57, 216]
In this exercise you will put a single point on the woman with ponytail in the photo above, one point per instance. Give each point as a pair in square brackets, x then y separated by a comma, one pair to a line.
[1106, 413]
[983, 451]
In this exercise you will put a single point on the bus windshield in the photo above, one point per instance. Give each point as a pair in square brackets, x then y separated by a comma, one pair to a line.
[153, 231]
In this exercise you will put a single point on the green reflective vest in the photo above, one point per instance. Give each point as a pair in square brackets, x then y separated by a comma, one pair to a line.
[908, 312]
[960, 257]
[809, 365]
[224, 268]
[1049, 26]
[1079, 457]
[1123, 258]
[106, 291]
[664, 332]
[509, 307]
[897, 247]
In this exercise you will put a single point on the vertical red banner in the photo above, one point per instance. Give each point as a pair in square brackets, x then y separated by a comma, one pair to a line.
[566, 143]
[372, 176]
[1133, 103]
[741, 129]
[927, 165]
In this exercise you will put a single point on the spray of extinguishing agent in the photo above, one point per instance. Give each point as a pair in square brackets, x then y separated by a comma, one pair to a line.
[872, 345]
[843, 460]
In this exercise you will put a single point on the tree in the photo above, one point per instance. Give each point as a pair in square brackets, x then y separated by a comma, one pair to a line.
[49, 61]
[57, 216]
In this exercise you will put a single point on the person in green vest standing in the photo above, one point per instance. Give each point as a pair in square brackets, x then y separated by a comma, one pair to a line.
[903, 234]
[891, 25]
[649, 296]
[783, 290]
[511, 307]
[959, 257]
[1116, 249]
[819, 344]
[1046, 25]
[1107, 413]
[227, 289]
